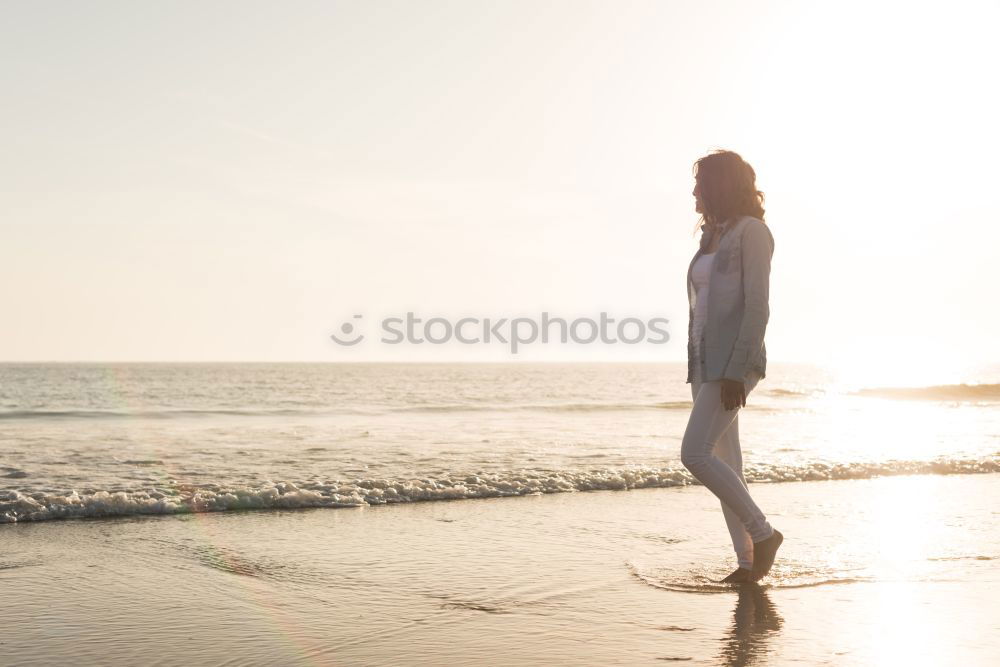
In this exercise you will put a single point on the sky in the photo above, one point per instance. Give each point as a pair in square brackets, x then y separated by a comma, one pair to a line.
[223, 181]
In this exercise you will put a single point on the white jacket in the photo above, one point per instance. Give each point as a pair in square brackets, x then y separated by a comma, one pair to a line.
[732, 344]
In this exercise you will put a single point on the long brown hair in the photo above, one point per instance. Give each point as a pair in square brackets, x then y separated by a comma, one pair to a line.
[727, 187]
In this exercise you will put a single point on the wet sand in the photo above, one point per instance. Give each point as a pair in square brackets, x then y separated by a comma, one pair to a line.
[901, 570]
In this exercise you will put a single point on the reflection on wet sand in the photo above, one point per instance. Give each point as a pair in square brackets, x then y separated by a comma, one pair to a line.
[755, 623]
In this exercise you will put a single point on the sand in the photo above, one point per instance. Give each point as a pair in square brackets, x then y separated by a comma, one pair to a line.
[902, 570]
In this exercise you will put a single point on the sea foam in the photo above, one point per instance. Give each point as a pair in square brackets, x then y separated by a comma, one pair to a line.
[188, 498]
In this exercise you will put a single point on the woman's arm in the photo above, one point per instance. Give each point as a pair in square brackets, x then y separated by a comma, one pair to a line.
[757, 249]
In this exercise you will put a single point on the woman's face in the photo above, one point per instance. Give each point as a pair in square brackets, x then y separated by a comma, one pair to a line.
[697, 198]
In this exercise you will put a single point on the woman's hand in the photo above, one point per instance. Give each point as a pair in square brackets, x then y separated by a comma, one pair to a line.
[733, 394]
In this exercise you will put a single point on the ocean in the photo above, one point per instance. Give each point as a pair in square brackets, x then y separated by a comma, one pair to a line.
[117, 439]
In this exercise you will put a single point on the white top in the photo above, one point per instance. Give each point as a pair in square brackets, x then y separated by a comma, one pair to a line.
[700, 273]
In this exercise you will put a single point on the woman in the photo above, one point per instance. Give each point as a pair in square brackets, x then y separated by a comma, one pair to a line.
[728, 297]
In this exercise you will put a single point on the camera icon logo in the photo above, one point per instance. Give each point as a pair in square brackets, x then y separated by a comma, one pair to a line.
[347, 329]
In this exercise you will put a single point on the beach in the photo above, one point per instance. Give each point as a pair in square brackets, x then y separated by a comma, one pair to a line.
[429, 514]
[900, 570]
[364, 334]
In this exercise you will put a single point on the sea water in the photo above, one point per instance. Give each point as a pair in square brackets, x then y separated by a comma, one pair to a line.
[107, 439]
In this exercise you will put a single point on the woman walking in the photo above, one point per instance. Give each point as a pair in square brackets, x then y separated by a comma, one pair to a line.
[728, 282]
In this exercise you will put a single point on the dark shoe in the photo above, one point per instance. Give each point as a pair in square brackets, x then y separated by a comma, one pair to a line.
[740, 576]
[763, 555]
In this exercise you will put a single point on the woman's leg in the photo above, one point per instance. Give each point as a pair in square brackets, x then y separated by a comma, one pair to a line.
[729, 451]
[708, 423]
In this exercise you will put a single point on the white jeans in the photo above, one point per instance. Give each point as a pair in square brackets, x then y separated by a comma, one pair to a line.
[711, 451]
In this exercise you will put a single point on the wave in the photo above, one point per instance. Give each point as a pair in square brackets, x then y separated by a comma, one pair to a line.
[779, 391]
[144, 414]
[982, 393]
[218, 497]
[307, 412]
[550, 407]
[943, 392]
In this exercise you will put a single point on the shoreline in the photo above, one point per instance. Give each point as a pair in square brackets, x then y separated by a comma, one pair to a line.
[569, 578]
[22, 507]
